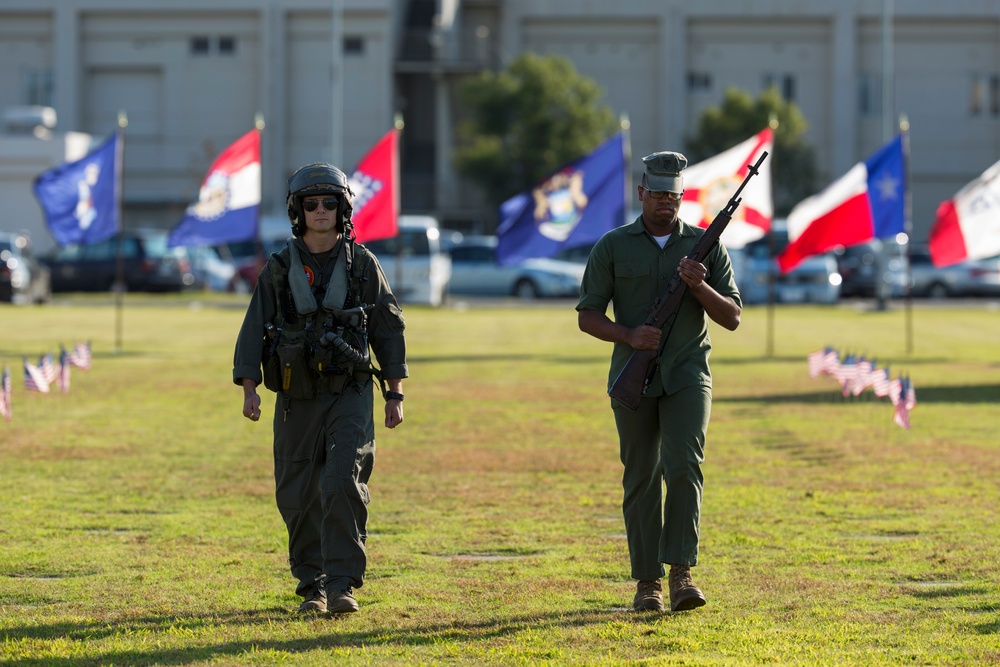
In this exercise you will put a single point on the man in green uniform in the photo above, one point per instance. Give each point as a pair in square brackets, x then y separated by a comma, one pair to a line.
[663, 441]
[319, 304]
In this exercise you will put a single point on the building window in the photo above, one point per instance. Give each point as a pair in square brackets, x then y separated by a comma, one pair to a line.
[36, 86]
[354, 46]
[699, 81]
[785, 83]
[227, 45]
[200, 46]
[870, 95]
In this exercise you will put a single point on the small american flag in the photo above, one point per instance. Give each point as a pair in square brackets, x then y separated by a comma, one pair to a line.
[80, 356]
[817, 363]
[48, 368]
[64, 367]
[6, 408]
[34, 379]
[845, 374]
[907, 401]
[862, 376]
[880, 382]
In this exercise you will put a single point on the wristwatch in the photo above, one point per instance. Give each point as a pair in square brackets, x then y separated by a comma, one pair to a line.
[393, 396]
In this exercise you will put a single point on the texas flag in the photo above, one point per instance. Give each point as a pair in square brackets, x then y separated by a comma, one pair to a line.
[709, 184]
[968, 225]
[229, 200]
[376, 191]
[864, 204]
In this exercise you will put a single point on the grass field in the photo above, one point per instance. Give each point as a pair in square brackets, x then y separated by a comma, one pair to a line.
[138, 526]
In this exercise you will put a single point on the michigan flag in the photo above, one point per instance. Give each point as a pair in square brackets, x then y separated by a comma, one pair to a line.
[228, 201]
[80, 199]
[573, 207]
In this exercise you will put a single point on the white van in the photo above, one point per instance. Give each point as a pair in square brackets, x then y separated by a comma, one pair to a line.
[417, 268]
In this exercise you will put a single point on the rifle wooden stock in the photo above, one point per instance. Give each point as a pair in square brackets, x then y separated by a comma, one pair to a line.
[630, 385]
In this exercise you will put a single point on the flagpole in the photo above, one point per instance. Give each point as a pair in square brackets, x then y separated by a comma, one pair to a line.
[626, 126]
[904, 129]
[120, 259]
[772, 122]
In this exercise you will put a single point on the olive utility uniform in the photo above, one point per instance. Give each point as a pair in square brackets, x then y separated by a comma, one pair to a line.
[324, 445]
[664, 440]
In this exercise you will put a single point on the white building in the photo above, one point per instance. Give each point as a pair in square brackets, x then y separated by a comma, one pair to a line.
[193, 74]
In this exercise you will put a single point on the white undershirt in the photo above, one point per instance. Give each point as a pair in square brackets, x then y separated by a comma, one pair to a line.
[661, 240]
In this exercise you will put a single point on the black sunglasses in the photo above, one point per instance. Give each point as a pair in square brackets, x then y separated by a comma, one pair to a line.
[312, 204]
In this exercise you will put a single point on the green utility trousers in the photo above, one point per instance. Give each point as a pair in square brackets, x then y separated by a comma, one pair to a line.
[663, 442]
[324, 450]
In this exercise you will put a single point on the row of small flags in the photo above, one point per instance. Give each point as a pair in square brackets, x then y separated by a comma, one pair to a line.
[855, 374]
[41, 377]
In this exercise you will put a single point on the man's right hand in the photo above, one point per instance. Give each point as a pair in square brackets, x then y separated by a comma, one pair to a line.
[644, 337]
[251, 400]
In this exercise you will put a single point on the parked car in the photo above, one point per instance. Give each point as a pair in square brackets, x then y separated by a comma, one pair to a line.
[474, 270]
[978, 277]
[418, 269]
[148, 265]
[874, 268]
[814, 280]
[23, 279]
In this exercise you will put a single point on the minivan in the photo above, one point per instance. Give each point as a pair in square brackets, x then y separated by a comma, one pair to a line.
[415, 264]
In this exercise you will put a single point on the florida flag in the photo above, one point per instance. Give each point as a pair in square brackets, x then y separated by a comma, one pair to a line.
[967, 226]
[376, 191]
[229, 200]
[80, 199]
[709, 184]
[864, 204]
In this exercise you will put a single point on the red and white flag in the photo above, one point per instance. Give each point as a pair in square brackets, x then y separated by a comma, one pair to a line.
[967, 226]
[906, 402]
[709, 184]
[865, 203]
[375, 184]
[80, 356]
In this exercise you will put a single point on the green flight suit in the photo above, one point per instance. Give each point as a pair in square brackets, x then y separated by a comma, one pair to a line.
[324, 445]
[664, 440]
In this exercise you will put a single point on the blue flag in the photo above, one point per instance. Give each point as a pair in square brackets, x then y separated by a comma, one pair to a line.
[80, 199]
[573, 207]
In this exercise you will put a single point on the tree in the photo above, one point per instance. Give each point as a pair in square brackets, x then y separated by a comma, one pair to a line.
[739, 116]
[527, 121]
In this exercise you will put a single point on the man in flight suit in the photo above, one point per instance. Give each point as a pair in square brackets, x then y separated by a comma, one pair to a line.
[664, 439]
[319, 304]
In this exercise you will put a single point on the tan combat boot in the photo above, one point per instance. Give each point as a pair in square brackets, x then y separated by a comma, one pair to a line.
[648, 595]
[315, 602]
[684, 595]
[341, 602]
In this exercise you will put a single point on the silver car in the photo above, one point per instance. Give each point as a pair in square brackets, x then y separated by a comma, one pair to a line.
[978, 277]
[474, 271]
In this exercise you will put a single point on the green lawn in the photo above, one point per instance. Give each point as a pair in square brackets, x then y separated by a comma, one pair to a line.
[138, 526]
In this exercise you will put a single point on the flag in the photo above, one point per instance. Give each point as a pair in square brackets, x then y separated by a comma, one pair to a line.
[64, 367]
[881, 382]
[6, 404]
[573, 207]
[375, 184]
[34, 379]
[229, 199]
[845, 374]
[967, 226]
[47, 368]
[80, 356]
[823, 362]
[907, 401]
[81, 199]
[709, 184]
[866, 203]
[862, 376]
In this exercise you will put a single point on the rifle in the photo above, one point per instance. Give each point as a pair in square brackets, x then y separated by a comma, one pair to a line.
[630, 385]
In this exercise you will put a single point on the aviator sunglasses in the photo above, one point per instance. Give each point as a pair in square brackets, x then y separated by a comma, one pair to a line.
[312, 204]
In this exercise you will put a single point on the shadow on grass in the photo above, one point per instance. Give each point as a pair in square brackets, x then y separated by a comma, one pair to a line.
[338, 634]
[988, 393]
[493, 358]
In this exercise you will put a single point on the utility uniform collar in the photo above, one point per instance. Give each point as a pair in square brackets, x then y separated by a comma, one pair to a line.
[682, 229]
